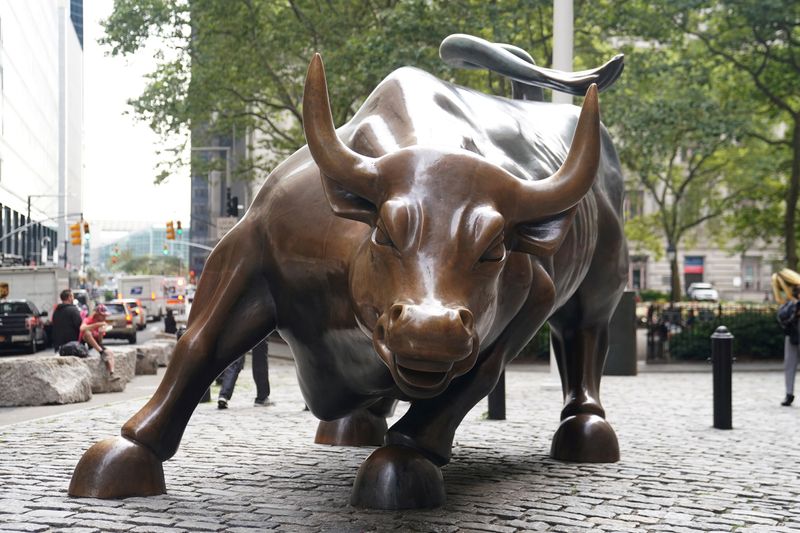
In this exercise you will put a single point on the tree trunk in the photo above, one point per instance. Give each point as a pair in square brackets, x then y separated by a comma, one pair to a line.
[791, 200]
[675, 281]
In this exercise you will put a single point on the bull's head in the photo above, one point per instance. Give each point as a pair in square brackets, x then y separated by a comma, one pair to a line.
[426, 283]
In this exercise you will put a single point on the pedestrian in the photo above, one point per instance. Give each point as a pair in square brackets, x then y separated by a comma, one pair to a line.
[170, 326]
[66, 321]
[260, 376]
[791, 340]
[92, 332]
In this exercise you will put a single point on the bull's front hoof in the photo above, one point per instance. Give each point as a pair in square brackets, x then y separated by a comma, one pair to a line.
[360, 428]
[585, 439]
[117, 468]
[397, 477]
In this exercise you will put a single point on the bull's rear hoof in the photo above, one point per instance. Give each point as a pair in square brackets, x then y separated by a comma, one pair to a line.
[397, 477]
[117, 468]
[585, 439]
[360, 428]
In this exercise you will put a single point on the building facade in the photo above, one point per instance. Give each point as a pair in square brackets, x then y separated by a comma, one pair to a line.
[141, 243]
[742, 277]
[41, 129]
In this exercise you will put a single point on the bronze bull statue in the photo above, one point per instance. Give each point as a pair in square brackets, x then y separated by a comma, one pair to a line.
[410, 255]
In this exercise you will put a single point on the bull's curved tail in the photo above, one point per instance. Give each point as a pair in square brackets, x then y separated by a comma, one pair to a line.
[467, 51]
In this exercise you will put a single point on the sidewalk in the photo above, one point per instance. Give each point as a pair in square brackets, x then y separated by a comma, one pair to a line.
[256, 469]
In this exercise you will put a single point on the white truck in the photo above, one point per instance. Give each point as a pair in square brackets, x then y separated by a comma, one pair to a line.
[40, 285]
[149, 290]
[175, 291]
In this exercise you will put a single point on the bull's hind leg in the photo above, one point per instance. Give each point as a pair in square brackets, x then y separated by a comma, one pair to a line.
[364, 427]
[232, 312]
[584, 435]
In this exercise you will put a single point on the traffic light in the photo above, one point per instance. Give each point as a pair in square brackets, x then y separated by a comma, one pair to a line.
[170, 232]
[192, 277]
[179, 229]
[86, 233]
[75, 233]
[165, 250]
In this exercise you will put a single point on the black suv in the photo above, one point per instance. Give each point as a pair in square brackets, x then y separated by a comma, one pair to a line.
[21, 324]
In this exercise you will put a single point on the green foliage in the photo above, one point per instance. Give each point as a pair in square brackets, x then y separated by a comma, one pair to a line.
[649, 295]
[756, 336]
[151, 264]
[241, 65]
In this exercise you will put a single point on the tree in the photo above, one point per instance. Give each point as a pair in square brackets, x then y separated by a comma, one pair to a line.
[241, 64]
[754, 47]
[678, 142]
[151, 265]
[761, 40]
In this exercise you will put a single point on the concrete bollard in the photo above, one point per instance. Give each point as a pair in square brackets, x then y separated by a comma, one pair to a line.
[497, 399]
[722, 368]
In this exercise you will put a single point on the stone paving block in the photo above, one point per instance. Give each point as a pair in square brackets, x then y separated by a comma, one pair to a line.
[23, 526]
[44, 381]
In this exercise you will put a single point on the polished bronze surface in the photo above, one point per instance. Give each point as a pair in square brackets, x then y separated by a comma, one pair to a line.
[117, 468]
[397, 477]
[360, 428]
[409, 255]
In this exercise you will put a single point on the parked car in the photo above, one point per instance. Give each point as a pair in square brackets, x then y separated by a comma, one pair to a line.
[136, 309]
[121, 322]
[704, 292]
[22, 324]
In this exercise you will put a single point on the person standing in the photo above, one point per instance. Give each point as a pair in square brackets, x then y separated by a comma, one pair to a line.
[790, 346]
[260, 376]
[92, 332]
[170, 326]
[66, 321]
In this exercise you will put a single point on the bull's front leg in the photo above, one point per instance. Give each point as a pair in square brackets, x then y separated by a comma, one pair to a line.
[405, 473]
[232, 312]
[584, 434]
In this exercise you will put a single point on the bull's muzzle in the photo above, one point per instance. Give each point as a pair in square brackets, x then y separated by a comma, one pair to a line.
[426, 346]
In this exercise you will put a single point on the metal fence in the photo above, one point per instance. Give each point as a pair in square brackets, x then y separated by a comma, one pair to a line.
[682, 331]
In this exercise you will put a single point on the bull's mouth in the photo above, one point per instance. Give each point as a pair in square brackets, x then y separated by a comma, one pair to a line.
[421, 379]
[417, 378]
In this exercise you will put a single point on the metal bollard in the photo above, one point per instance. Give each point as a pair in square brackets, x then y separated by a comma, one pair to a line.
[497, 399]
[722, 368]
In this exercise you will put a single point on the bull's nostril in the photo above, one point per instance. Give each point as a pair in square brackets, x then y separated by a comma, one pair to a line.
[466, 318]
[396, 312]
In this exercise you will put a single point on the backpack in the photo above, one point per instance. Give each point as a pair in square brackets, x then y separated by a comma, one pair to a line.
[787, 318]
[74, 348]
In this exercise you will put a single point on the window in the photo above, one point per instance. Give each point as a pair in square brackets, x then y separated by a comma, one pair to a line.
[751, 273]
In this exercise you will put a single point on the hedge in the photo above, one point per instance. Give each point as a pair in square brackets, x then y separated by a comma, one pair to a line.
[756, 336]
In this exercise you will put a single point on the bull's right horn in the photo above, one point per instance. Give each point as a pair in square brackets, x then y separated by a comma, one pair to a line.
[565, 188]
[355, 172]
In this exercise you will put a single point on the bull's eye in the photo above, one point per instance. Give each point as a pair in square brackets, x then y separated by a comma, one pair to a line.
[381, 237]
[495, 253]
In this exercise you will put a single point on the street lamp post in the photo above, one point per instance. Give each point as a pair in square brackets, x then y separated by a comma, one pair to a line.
[671, 256]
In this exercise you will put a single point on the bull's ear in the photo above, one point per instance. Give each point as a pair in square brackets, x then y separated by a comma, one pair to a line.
[544, 237]
[346, 204]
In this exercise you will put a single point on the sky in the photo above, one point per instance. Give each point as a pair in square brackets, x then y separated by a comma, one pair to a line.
[120, 152]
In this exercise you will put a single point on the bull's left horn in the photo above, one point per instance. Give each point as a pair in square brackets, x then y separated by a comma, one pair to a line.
[572, 181]
[355, 172]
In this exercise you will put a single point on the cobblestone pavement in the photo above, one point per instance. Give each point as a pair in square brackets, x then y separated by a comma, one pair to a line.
[256, 469]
